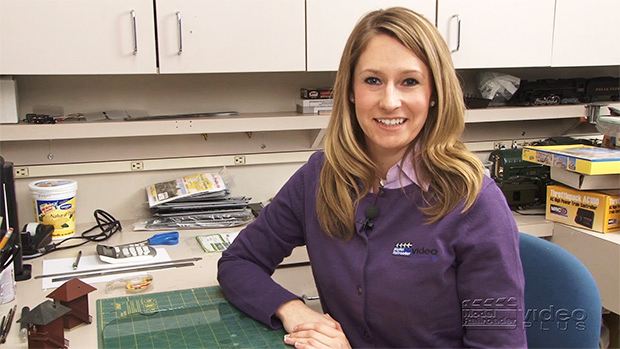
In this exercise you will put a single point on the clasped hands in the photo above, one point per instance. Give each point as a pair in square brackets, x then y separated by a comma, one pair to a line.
[308, 329]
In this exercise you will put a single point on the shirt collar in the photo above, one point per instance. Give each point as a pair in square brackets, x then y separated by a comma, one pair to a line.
[401, 175]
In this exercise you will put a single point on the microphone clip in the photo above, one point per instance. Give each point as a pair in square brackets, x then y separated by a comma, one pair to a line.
[371, 213]
[368, 224]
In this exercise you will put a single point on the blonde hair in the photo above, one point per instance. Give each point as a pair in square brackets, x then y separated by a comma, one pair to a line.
[441, 160]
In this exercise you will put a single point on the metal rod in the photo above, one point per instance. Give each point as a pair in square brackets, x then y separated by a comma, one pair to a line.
[110, 272]
[120, 267]
[310, 298]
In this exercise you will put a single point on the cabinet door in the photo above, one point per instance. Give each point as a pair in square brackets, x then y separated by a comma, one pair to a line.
[493, 34]
[204, 36]
[330, 23]
[586, 33]
[77, 37]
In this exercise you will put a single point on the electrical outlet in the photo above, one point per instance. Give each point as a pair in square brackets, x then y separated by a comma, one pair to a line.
[137, 166]
[239, 160]
[21, 172]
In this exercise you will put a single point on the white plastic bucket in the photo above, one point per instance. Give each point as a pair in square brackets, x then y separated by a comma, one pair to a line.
[54, 204]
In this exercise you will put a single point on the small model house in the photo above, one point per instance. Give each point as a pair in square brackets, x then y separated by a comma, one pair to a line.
[45, 325]
[74, 295]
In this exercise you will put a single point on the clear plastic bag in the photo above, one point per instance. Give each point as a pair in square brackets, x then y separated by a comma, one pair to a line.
[497, 87]
[609, 125]
[196, 221]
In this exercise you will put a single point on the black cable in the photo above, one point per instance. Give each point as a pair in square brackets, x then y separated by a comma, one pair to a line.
[107, 224]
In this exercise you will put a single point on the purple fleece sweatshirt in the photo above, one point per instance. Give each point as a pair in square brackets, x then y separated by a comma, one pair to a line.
[455, 283]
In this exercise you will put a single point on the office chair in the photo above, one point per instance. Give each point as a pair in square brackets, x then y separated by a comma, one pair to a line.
[562, 301]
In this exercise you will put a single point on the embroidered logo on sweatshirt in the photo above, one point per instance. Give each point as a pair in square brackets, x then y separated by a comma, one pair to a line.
[402, 249]
[406, 249]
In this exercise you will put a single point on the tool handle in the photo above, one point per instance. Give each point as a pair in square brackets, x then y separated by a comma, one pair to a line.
[171, 238]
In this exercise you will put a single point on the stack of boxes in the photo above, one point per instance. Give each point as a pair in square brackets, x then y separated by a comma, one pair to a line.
[588, 193]
[315, 101]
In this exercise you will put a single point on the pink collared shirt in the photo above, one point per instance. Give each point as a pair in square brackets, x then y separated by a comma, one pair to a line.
[401, 175]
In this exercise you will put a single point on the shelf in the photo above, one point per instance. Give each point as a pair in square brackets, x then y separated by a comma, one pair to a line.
[260, 122]
[498, 114]
[535, 225]
[256, 122]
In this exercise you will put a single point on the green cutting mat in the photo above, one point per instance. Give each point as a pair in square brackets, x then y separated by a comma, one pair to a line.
[192, 318]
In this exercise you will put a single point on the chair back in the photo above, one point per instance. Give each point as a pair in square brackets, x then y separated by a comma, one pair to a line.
[562, 301]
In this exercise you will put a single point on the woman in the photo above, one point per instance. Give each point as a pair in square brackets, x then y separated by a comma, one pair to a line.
[410, 245]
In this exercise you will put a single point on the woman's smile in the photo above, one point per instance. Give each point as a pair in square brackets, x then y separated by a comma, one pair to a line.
[390, 122]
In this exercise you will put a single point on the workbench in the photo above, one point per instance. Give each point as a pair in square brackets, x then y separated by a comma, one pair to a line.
[202, 275]
[599, 252]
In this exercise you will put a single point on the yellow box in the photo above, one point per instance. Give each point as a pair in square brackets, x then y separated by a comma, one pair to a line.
[580, 158]
[595, 210]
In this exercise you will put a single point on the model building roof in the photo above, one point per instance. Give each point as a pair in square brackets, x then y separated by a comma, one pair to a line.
[71, 290]
[44, 313]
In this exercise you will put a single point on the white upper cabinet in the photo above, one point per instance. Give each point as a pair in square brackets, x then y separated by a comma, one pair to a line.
[330, 22]
[98, 37]
[206, 36]
[77, 37]
[118, 36]
[587, 33]
[495, 34]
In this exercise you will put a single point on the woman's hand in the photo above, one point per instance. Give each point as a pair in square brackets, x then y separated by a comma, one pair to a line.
[296, 312]
[317, 335]
[309, 329]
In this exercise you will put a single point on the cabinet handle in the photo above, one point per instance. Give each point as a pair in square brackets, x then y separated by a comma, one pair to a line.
[180, 33]
[458, 33]
[135, 32]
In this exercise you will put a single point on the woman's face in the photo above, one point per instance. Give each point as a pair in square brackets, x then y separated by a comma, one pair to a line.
[392, 89]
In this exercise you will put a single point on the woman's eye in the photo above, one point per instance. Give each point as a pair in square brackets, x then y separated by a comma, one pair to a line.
[410, 82]
[372, 81]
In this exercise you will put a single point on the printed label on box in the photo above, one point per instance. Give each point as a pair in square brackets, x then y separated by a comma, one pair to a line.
[598, 211]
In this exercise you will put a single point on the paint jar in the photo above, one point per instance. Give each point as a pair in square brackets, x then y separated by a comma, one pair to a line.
[54, 204]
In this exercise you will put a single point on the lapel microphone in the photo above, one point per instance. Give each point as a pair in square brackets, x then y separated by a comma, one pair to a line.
[371, 213]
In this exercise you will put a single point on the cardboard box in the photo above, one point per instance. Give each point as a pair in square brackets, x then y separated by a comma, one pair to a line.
[585, 182]
[314, 106]
[594, 210]
[313, 110]
[315, 102]
[316, 93]
[580, 158]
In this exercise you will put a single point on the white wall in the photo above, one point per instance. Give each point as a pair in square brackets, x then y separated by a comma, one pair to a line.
[123, 195]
